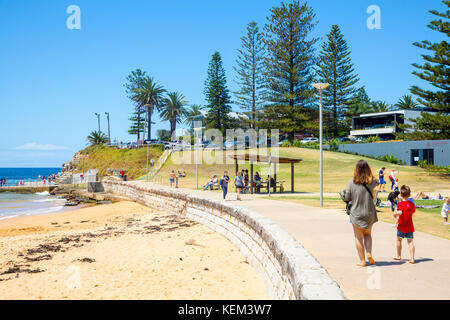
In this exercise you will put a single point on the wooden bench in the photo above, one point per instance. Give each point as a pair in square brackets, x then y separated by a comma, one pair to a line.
[279, 186]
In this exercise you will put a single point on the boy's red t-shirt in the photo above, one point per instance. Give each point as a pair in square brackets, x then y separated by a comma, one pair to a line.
[405, 222]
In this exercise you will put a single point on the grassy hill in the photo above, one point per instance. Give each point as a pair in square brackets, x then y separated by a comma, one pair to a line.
[133, 161]
[338, 169]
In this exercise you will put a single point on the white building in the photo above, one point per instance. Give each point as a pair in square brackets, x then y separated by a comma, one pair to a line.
[382, 124]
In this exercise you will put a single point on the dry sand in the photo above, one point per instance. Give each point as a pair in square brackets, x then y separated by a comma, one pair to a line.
[120, 251]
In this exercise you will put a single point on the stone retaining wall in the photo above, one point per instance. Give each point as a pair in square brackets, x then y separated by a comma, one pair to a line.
[288, 269]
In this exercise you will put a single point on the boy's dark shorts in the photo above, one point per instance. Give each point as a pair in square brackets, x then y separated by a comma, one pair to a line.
[408, 235]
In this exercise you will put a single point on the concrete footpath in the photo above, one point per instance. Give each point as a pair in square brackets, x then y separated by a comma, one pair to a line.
[328, 236]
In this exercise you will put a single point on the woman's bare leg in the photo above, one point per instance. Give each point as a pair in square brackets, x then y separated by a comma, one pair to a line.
[368, 244]
[359, 242]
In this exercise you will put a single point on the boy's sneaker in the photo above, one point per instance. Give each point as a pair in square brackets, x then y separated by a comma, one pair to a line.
[446, 223]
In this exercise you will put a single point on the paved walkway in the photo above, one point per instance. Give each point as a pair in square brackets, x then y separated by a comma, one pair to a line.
[327, 234]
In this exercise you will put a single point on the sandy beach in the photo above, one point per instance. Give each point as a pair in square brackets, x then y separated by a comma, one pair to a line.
[120, 251]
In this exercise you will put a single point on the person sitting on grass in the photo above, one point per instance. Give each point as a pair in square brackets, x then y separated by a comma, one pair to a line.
[214, 181]
[422, 196]
[444, 211]
[405, 228]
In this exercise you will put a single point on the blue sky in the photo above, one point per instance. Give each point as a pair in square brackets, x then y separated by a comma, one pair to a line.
[53, 79]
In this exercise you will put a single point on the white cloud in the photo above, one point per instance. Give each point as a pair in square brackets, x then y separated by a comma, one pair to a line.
[40, 147]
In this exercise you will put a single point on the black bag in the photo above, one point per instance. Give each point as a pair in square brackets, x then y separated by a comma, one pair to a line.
[348, 207]
[348, 204]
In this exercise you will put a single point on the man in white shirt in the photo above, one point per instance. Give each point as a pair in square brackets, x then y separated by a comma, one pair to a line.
[444, 212]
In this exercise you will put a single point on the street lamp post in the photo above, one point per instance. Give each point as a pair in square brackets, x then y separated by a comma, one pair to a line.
[148, 142]
[321, 87]
[98, 118]
[196, 146]
[109, 130]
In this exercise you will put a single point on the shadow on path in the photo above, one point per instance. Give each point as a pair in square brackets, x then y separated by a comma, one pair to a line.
[403, 261]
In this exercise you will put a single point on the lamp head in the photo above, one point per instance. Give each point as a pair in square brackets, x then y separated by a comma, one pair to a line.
[321, 86]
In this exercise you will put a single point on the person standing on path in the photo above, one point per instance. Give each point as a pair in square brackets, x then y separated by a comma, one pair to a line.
[239, 184]
[224, 184]
[393, 178]
[363, 213]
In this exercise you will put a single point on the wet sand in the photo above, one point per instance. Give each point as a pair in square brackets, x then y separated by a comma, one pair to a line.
[120, 251]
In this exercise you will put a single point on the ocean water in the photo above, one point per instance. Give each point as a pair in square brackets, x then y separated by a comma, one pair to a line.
[14, 175]
[17, 205]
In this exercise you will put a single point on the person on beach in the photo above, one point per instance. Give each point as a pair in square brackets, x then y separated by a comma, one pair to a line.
[445, 209]
[224, 183]
[239, 184]
[363, 213]
[405, 228]
[172, 178]
[382, 182]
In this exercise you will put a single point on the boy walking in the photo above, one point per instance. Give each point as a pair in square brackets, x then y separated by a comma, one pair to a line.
[405, 228]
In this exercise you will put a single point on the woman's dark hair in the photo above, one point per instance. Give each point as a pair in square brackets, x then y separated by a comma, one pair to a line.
[362, 173]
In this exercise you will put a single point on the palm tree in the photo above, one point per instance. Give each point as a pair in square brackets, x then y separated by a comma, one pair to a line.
[380, 106]
[97, 137]
[193, 114]
[406, 102]
[149, 95]
[173, 109]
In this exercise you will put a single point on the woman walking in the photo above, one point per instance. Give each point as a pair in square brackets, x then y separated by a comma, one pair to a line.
[363, 213]
[239, 183]
[224, 184]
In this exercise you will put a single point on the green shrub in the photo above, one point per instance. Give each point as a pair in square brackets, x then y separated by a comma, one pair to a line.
[333, 145]
[158, 146]
[422, 163]
[286, 144]
[297, 144]
[390, 158]
[372, 139]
